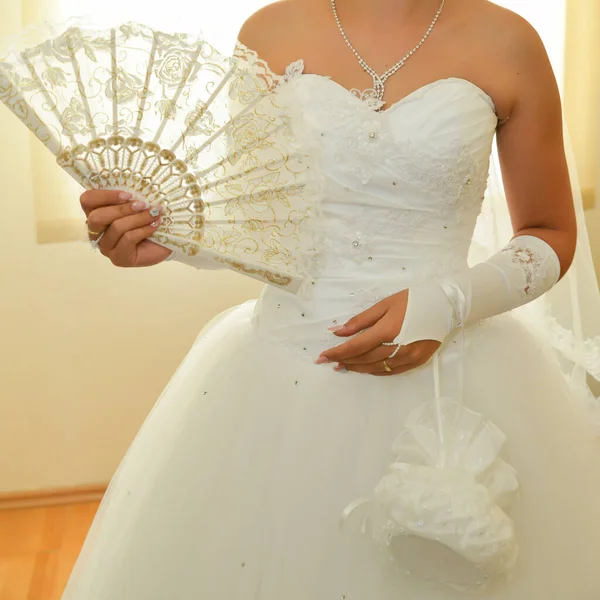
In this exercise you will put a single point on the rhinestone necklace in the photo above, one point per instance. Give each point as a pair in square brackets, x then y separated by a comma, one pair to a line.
[379, 80]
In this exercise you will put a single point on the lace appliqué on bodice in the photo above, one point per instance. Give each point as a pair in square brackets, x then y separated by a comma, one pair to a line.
[358, 136]
[452, 173]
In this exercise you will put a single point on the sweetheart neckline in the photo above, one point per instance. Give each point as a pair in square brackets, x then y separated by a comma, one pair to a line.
[412, 95]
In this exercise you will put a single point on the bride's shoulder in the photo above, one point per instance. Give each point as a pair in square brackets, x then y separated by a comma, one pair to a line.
[272, 30]
[504, 51]
[509, 34]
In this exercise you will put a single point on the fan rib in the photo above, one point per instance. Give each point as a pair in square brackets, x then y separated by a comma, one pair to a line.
[216, 165]
[242, 175]
[146, 89]
[113, 64]
[210, 100]
[223, 129]
[81, 88]
[46, 93]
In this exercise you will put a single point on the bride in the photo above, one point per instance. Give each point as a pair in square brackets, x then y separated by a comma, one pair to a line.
[394, 431]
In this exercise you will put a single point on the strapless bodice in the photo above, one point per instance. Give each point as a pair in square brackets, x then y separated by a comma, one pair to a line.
[402, 191]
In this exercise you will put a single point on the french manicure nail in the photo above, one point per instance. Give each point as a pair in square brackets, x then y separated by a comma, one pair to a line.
[340, 369]
[125, 196]
[139, 206]
[156, 223]
[336, 328]
[322, 360]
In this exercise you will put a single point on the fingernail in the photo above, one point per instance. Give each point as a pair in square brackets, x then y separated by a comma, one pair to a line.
[125, 196]
[154, 212]
[139, 206]
[340, 369]
[336, 328]
[322, 360]
[156, 223]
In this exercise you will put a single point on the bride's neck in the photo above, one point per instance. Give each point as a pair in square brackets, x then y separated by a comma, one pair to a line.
[386, 8]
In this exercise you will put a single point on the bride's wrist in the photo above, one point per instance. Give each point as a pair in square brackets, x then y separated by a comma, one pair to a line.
[429, 315]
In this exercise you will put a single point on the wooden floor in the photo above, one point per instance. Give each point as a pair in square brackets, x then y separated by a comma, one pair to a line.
[38, 547]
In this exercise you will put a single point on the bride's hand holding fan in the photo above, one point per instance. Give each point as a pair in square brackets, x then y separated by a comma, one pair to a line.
[166, 117]
[121, 228]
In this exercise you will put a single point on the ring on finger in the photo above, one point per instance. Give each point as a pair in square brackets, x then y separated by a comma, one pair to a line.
[387, 367]
[93, 232]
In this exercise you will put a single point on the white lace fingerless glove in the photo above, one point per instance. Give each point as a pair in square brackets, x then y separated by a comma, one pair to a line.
[521, 272]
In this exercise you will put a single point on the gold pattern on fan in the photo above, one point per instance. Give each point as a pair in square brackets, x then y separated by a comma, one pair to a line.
[169, 118]
[269, 276]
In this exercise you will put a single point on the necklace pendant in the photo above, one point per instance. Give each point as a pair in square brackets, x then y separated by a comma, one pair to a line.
[379, 80]
[378, 87]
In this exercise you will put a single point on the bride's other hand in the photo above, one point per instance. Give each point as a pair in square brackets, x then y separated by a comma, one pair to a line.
[126, 226]
[379, 324]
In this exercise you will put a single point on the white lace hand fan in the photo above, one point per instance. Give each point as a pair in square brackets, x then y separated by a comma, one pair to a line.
[170, 119]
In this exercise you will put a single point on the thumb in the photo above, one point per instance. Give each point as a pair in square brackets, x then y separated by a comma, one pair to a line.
[364, 320]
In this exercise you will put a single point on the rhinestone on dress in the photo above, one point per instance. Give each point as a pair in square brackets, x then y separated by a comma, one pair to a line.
[372, 135]
[356, 243]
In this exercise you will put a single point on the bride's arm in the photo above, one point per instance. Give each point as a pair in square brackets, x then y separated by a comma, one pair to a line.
[538, 191]
[539, 195]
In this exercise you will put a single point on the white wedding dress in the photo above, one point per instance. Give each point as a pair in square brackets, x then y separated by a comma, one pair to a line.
[235, 487]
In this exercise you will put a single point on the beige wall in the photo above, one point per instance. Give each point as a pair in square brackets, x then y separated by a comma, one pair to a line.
[86, 348]
[582, 103]
[593, 223]
[582, 87]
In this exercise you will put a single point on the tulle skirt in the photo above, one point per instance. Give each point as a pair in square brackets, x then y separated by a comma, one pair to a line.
[236, 483]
